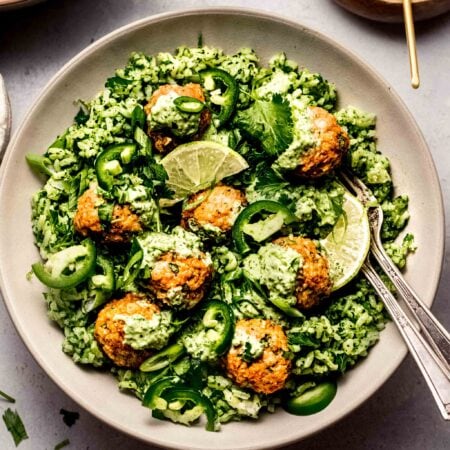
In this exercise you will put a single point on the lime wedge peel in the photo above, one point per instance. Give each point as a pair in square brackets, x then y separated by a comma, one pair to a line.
[197, 165]
[348, 243]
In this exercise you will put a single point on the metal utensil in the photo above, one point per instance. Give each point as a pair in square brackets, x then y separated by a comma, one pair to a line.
[437, 336]
[429, 364]
[5, 118]
[411, 42]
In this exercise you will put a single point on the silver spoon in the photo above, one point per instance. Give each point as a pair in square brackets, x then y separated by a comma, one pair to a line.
[5, 118]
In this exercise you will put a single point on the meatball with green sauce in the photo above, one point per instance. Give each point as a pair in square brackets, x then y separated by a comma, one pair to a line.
[176, 269]
[130, 329]
[167, 123]
[319, 144]
[293, 271]
[256, 359]
[180, 281]
[122, 224]
[211, 213]
[313, 280]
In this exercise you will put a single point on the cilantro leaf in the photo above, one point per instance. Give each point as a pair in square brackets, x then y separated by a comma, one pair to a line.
[303, 339]
[269, 181]
[119, 86]
[15, 426]
[117, 82]
[83, 114]
[138, 117]
[7, 397]
[269, 123]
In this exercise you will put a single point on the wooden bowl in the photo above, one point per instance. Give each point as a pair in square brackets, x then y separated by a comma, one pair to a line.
[392, 10]
[6, 5]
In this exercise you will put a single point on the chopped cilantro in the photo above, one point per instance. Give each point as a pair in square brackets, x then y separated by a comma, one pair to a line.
[269, 123]
[15, 426]
[7, 397]
[303, 339]
[137, 117]
[114, 82]
[69, 417]
[82, 116]
[248, 353]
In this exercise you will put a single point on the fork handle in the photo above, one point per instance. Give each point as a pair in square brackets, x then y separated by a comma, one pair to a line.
[429, 364]
[5, 118]
[435, 333]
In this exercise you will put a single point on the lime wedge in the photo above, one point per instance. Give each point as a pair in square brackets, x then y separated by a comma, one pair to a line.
[348, 243]
[197, 165]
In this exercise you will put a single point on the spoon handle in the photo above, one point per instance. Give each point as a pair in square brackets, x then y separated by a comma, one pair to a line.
[411, 41]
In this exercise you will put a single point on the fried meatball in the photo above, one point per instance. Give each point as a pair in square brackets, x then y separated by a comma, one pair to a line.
[109, 329]
[332, 145]
[313, 281]
[266, 373]
[190, 90]
[163, 140]
[217, 208]
[86, 219]
[180, 281]
[124, 223]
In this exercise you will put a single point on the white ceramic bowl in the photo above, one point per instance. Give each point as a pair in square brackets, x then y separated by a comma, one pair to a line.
[399, 138]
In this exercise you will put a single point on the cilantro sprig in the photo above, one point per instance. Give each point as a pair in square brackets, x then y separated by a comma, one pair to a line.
[269, 123]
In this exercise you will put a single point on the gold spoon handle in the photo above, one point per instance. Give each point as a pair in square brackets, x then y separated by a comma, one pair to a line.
[411, 41]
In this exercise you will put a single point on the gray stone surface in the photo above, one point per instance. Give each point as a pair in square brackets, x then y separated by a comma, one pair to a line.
[36, 42]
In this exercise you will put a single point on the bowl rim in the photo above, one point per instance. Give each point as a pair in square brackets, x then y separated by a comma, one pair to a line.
[237, 11]
[9, 5]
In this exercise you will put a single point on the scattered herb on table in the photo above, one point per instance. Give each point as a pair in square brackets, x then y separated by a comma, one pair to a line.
[15, 426]
[7, 397]
[62, 444]
[69, 417]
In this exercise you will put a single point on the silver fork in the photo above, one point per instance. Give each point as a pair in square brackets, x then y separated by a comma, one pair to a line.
[5, 118]
[429, 363]
[436, 335]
